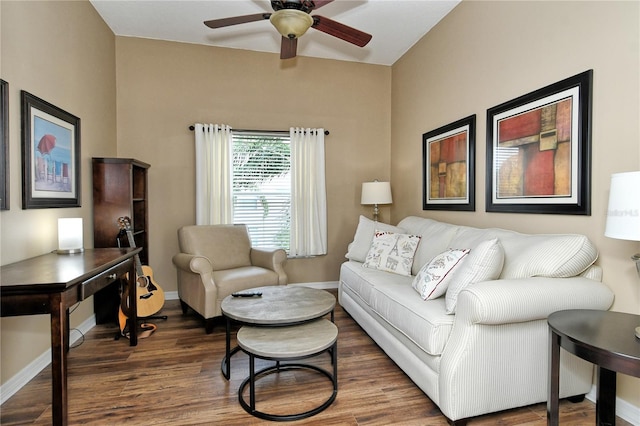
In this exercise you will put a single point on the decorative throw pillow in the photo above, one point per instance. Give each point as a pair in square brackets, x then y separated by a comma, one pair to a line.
[392, 252]
[363, 238]
[432, 280]
[483, 263]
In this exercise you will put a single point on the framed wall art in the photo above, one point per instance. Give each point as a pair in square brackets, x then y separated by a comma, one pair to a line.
[50, 155]
[448, 166]
[4, 145]
[539, 150]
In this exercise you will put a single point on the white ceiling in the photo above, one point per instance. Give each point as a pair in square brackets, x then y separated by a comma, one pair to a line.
[396, 25]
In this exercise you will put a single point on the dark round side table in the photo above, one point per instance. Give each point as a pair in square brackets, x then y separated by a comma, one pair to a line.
[604, 338]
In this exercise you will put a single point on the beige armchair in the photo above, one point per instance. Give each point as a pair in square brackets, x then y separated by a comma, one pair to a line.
[217, 260]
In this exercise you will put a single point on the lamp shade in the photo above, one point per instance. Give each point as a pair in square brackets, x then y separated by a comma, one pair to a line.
[623, 214]
[70, 235]
[376, 193]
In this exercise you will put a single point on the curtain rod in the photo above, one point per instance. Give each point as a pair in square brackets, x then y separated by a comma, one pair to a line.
[284, 132]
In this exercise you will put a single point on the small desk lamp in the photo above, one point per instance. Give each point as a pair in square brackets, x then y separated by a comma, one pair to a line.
[70, 235]
[623, 214]
[376, 193]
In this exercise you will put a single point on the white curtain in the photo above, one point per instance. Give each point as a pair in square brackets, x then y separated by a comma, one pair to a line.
[308, 193]
[214, 201]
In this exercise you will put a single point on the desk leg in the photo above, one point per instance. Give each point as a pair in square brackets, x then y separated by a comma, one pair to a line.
[59, 346]
[606, 397]
[553, 393]
[133, 305]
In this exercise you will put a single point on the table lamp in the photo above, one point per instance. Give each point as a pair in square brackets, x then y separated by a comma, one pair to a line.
[70, 235]
[623, 214]
[376, 193]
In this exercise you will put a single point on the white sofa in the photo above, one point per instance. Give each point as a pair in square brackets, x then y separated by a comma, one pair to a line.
[490, 353]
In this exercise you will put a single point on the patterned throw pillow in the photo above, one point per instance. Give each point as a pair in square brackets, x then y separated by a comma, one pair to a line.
[392, 252]
[433, 278]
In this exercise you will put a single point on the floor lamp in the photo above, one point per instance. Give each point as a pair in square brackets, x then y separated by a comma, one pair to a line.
[623, 214]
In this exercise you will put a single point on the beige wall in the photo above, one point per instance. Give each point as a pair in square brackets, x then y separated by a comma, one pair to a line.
[163, 87]
[486, 53]
[63, 53]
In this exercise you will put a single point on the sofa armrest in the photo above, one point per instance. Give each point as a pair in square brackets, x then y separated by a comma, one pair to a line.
[272, 259]
[520, 300]
[193, 263]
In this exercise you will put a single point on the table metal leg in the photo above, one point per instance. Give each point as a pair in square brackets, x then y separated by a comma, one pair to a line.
[252, 382]
[606, 397]
[227, 354]
[553, 394]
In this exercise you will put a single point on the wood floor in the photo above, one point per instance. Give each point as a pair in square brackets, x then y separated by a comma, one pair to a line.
[174, 378]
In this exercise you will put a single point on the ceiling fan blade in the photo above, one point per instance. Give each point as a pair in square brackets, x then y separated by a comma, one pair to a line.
[225, 22]
[320, 3]
[344, 32]
[288, 47]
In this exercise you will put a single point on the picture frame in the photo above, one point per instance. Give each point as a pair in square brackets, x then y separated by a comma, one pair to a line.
[50, 155]
[4, 145]
[448, 166]
[539, 150]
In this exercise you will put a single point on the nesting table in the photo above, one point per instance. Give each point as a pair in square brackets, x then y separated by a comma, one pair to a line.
[604, 338]
[283, 324]
[291, 343]
[279, 306]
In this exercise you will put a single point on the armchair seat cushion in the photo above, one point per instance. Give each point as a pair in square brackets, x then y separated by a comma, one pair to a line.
[233, 280]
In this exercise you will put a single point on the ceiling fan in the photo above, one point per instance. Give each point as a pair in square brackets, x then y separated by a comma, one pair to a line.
[292, 19]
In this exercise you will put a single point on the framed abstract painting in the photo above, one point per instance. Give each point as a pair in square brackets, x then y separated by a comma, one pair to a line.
[4, 145]
[539, 150]
[448, 166]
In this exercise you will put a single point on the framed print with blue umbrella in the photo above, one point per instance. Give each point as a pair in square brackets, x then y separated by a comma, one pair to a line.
[50, 155]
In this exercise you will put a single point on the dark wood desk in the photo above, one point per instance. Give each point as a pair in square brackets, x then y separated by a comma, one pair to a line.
[604, 338]
[50, 284]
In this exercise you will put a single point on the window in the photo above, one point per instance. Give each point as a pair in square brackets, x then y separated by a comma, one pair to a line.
[262, 187]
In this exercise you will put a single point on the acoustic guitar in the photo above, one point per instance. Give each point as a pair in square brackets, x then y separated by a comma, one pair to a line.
[150, 297]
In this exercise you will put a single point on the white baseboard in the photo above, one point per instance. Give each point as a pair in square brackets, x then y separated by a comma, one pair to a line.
[15, 383]
[171, 295]
[624, 410]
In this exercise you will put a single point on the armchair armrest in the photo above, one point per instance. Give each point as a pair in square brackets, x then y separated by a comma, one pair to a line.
[273, 259]
[520, 300]
[193, 263]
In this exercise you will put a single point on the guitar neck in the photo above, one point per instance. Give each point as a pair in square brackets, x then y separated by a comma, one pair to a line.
[138, 263]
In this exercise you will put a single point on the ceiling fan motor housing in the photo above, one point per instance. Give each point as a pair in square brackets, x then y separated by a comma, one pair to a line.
[304, 5]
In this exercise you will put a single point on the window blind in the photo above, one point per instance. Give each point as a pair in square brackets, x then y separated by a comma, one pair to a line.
[262, 187]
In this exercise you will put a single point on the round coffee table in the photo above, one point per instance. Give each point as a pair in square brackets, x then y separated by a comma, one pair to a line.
[279, 306]
[290, 343]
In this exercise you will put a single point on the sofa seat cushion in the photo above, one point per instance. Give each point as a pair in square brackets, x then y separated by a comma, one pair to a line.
[392, 297]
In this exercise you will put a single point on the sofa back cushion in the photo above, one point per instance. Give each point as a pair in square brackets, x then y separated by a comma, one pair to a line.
[525, 256]
[535, 255]
[363, 238]
[436, 238]
[226, 246]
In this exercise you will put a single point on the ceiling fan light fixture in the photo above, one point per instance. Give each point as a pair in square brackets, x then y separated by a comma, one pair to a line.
[291, 23]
